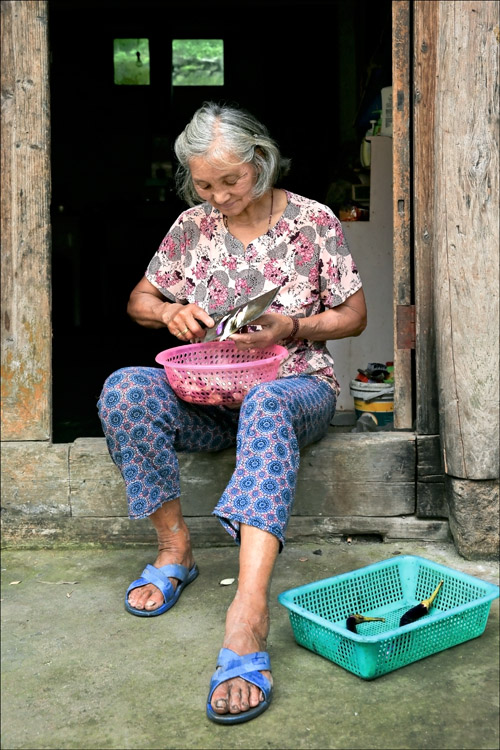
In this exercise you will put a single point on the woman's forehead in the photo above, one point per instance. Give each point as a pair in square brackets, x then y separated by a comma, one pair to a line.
[215, 166]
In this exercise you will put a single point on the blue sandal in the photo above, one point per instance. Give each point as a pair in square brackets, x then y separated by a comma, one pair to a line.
[229, 665]
[159, 577]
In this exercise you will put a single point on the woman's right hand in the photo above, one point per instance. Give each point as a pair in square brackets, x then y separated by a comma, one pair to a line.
[183, 321]
[148, 307]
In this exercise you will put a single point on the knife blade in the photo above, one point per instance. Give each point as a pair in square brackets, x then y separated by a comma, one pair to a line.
[241, 315]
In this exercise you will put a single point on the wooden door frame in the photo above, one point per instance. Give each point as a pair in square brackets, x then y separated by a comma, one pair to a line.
[424, 65]
[26, 333]
[401, 196]
[414, 42]
[25, 223]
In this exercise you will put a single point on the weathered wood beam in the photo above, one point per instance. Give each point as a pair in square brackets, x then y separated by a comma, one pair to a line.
[206, 531]
[401, 196]
[25, 222]
[356, 474]
[425, 62]
[348, 484]
[467, 243]
[35, 479]
[430, 487]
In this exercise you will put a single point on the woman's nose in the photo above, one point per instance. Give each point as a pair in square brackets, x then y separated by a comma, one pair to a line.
[221, 197]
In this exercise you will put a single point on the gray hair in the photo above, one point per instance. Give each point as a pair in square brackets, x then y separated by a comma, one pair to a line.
[218, 130]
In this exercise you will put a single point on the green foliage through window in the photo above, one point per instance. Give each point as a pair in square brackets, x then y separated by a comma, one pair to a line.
[197, 62]
[131, 61]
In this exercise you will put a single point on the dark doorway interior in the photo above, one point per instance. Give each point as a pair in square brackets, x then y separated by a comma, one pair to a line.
[310, 69]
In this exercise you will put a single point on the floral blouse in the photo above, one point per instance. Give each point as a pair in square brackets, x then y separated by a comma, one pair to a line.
[305, 253]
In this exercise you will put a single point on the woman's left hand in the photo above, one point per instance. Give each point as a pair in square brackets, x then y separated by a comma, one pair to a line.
[275, 328]
[346, 319]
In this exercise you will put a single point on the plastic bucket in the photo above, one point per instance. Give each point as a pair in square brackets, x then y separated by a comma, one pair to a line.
[375, 398]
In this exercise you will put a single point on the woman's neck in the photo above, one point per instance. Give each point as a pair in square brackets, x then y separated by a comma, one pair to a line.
[258, 215]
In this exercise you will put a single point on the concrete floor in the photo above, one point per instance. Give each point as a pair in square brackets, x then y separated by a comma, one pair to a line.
[79, 672]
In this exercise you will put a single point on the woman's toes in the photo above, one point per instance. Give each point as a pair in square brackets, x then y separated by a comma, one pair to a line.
[220, 702]
[145, 598]
[236, 697]
[240, 705]
[220, 706]
[251, 696]
[154, 602]
[236, 700]
[134, 601]
[255, 696]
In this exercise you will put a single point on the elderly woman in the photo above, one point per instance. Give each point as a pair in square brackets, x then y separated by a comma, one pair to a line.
[241, 236]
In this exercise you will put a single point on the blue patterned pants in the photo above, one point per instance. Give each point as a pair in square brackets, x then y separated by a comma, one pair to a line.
[146, 425]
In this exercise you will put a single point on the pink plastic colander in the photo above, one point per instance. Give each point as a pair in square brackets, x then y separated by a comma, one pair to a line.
[217, 373]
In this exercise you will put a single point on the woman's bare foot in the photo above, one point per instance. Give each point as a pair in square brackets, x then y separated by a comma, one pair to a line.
[247, 628]
[174, 546]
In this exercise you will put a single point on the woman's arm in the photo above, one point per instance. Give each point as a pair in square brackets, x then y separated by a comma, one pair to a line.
[148, 307]
[347, 319]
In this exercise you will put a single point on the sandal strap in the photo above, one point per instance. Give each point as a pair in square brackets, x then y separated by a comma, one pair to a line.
[159, 577]
[248, 667]
[174, 570]
[229, 659]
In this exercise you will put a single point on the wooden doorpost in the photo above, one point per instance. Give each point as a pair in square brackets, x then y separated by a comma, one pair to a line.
[466, 255]
[25, 222]
[401, 108]
[425, 62]
[467, 237]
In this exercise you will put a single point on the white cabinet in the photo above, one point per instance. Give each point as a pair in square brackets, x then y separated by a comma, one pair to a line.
[370, 243]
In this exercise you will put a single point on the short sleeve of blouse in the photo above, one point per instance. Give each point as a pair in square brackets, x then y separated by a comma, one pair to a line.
[339, 276]
[166, 268]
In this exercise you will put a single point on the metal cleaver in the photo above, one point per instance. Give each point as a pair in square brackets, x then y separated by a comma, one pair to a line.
[242, 315]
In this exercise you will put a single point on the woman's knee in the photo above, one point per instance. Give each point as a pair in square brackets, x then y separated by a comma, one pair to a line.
[144, 389]
[271, 395]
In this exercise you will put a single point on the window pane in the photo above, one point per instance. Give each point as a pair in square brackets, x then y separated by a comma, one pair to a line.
[197, 62]
[131, 59]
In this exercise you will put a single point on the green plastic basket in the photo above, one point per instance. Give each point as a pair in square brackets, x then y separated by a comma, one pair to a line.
[318, 612]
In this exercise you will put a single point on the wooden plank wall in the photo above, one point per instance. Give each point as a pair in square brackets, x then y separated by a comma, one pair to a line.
[25, 222]
[466, 196]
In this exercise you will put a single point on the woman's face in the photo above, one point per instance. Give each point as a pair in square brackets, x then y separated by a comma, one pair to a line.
[227, 188]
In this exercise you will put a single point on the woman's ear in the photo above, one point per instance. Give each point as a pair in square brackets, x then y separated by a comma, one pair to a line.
[258, 167]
